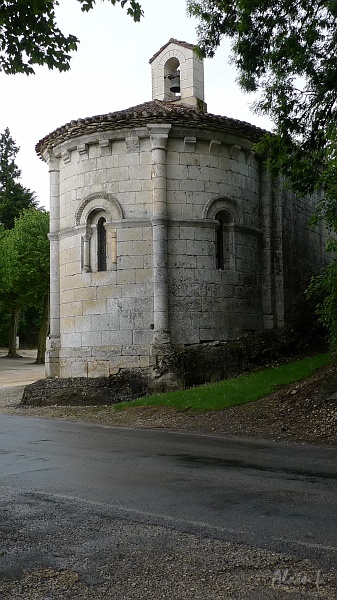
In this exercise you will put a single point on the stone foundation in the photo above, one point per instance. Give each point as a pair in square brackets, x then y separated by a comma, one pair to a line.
[195, 365]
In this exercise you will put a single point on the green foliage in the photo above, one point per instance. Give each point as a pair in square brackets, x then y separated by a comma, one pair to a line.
[29, 324]
[4, 325]
[13, 196]
[323, 289]
[8, 257]
[24, 262]
[30, 255]
[286, 51]
[239, 390]
[24, 246]
[9, 171]
[29, 34]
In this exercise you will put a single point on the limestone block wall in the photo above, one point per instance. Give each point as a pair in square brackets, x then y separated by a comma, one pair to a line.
[206, 176]
[106, 317]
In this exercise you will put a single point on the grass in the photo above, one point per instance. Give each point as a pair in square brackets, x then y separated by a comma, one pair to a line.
[239, 390]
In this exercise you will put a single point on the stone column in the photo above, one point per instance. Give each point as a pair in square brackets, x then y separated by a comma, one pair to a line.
[53, 349]
[86, 253]
[161, 334]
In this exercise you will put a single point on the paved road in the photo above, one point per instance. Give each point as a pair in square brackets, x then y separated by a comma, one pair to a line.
[19, 371]
[73, 488]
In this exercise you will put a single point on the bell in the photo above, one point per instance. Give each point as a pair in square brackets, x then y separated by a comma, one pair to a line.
[175, 82]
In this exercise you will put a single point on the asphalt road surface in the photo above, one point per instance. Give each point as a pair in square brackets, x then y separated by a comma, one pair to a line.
[100, 512]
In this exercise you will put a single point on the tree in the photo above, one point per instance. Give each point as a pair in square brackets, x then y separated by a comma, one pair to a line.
[24, 272]
[13, 196]
[8, 295]
[286, 51]
[29, 34]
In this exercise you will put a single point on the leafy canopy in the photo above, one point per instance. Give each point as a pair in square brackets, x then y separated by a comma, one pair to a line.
[24, 259]
[29, 34]
[286, 51]
[24, 271]
[13, 196]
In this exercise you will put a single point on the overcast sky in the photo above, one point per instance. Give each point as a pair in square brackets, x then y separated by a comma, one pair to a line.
[109, 72]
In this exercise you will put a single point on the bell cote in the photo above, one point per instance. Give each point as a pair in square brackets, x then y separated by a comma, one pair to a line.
[178, 74]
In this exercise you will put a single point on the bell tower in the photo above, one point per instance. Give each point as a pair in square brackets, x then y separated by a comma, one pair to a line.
[178, 74]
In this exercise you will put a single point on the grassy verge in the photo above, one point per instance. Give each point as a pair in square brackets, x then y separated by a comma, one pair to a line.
[239, 390]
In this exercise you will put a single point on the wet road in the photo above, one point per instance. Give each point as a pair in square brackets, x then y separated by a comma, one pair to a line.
[280, 497]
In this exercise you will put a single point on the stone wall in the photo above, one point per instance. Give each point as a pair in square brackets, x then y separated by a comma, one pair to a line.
[205, 177]
[195, 365]
[122, 387]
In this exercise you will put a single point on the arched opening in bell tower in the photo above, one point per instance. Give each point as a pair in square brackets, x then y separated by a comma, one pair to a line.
[172, 79]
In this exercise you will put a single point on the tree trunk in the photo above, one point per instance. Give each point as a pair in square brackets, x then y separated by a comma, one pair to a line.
[44, 328]
[13, 330]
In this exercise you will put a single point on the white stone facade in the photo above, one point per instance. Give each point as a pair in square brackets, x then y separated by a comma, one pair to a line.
[151, 186]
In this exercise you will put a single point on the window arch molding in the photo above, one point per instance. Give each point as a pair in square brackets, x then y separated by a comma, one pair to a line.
[221, 203]
[95, 202]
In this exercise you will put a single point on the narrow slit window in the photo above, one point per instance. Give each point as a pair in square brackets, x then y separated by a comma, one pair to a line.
[224, 241]
[220, 246]
[101, 245]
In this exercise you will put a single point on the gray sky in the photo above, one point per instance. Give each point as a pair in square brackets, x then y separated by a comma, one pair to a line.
[109, 72]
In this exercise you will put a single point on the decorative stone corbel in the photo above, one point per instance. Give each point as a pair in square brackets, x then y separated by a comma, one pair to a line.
[214, 146]
[132, 144]
[190, 143]
[82, 149]
[66, 156]
[235, 151]
[250, 156]
[105, 146]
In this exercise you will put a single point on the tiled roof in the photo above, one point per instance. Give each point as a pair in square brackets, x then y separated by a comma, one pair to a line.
[173, 41]
[156, 111]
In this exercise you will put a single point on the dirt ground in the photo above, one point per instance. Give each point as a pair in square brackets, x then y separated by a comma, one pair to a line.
[305, 412]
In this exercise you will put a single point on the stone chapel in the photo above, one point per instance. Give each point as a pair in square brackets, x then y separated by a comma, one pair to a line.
[167, 230]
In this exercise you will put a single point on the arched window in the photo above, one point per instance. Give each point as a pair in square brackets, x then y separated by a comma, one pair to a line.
[225, 256]
[96, 218]
[101, 244]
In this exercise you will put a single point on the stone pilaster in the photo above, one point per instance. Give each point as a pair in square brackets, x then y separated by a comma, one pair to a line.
[53, 347]
[266, 198]
[161, 334]
[278, 252]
